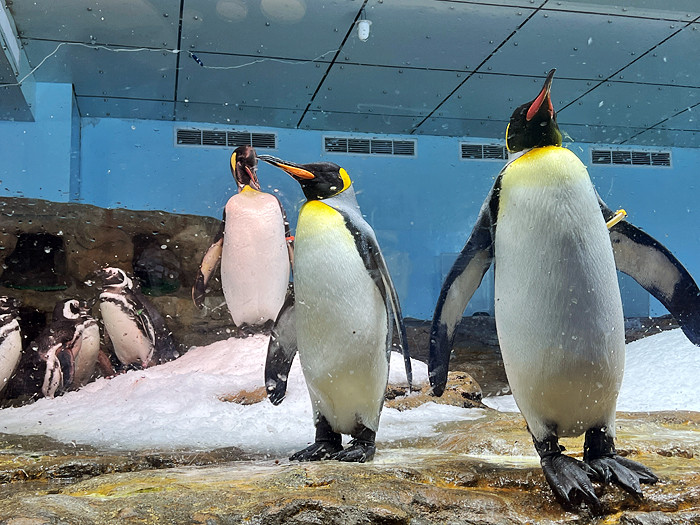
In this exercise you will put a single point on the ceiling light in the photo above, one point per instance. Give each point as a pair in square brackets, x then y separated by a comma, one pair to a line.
[363, 27]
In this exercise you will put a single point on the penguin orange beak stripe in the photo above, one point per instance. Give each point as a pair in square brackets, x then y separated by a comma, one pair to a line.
[294, 171]
[544, 95]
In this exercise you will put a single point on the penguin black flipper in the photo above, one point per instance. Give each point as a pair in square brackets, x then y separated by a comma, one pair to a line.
[210, 262]
[281, 350]
[368, 248]
[459, 286]
[658, 271]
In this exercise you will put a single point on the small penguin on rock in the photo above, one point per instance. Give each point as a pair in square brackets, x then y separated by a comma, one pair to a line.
[132, 324]
[555, 247]
[254, 248]
[340, 319]
[10, 340]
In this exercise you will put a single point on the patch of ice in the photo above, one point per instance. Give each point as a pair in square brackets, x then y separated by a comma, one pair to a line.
[177, 406]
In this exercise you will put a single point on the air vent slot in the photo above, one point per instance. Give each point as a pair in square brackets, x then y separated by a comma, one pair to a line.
[225, 139]
[369, 146]
[631, 157]
[472, 151]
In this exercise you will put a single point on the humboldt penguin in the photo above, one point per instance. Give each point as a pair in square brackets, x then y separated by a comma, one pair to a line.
[85, 361]
[341, 319]
[10, 340]
[254, 248]
[557, 301]
[132, 324]
[50, 369]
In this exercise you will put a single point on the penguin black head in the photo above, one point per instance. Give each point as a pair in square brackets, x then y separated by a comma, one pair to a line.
[114, 277]
[244, 167]
[534, 125]
[318, 180]
[69, 310]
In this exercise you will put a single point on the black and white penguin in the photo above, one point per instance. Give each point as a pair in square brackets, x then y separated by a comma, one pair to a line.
[85, 360]
[341, 319]
[557, 301]
[10, 340]
[132, 324]
[51, 368]
[254, 248]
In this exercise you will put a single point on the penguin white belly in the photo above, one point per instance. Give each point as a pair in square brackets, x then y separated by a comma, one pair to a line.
[10, 350]
[558, 308]
[130, 344]
[254, 260]
[86, 359]
[341, 323]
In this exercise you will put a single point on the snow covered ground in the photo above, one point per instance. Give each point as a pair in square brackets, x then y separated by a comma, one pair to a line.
[177, 405]
[662, 372]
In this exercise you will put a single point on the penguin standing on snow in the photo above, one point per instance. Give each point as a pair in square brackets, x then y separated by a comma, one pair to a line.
[85, 360]
[254, 248]
[341, 318]
[10, 341]
[132, 324]
[50, 368]
[557, 301]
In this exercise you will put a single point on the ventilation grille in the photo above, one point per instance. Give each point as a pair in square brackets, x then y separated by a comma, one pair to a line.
[483, 151]
[631, 158]
[370, 146]
[226, 139]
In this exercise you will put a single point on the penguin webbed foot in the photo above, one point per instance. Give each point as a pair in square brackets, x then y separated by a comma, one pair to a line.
[623, 472]
[599, 452]
[317, 451]
[570, 480]
[358, 452]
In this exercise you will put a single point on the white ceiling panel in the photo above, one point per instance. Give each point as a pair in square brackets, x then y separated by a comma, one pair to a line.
[687, 120]
[101, 71]
[282, 28]
[432, 34]
[636, 105]
[384, 90]
[622, 67]
[359, 122]
[457, 127]
[125, 108]
[235, 115]
[668, 137]
[666, 63]
[497, 96]
[680, 10]
[582, 46]
[253, 82]
[135, 23]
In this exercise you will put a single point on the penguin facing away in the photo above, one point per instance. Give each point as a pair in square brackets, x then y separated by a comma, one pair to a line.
[341, 317]
[135, 328]
[557, 302]
[253, 247]
[10, 341]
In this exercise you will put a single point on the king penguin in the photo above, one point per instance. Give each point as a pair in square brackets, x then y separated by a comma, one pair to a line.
[254, 248]
[557, 302]
[342, 316]
[135, 328]
[10, 341]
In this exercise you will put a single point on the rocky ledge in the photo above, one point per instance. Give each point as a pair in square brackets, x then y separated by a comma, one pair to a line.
[482, 471]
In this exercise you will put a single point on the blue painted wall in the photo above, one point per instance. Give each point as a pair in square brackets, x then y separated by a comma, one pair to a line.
[37, 156]
[422, 208]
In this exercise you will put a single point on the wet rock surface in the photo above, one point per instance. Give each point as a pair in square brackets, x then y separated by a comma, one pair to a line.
[482, 471]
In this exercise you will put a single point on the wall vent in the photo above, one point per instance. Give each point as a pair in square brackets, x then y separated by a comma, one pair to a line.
[631, 158]
[225, 139]
[405, 148]
[483, 151]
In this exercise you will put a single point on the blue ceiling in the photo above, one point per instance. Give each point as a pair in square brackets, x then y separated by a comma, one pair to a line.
[625, 75]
